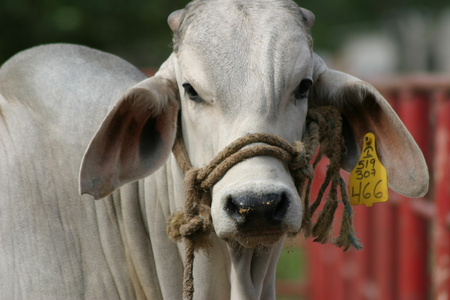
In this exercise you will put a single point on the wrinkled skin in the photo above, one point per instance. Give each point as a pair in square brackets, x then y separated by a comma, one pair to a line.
[238, 67]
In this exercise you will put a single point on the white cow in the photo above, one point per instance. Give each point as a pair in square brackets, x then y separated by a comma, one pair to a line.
[238, 67]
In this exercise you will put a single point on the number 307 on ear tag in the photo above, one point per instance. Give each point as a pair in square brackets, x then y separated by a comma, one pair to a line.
[368, 180]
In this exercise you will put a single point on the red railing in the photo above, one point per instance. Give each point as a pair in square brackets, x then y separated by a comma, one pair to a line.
[406, 252]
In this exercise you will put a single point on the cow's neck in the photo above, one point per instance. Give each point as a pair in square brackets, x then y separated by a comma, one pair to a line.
[236, 273]
[253, 272]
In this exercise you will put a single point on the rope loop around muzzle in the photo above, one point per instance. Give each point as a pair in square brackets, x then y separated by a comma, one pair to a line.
[195, 220]
[323, 136]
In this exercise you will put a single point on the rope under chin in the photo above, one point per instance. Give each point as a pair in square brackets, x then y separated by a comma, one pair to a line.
[323, 136]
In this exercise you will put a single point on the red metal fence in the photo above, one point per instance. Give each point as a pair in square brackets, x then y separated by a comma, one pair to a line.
[406, 252]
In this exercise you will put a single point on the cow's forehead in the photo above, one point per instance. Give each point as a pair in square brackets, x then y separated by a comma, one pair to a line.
[240, 46]
[214, 16]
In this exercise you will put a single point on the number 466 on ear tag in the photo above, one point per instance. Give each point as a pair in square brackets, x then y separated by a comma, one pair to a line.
[368, 180]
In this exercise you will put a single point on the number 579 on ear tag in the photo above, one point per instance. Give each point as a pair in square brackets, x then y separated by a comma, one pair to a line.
[368, 180]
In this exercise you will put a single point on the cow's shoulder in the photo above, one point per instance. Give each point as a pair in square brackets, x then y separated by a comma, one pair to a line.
[66, 89]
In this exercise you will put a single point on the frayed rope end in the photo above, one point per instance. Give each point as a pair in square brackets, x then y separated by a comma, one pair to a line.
[198, 230]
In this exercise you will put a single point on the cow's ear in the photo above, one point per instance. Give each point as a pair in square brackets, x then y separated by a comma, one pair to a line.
[365, 110]
[134, 139]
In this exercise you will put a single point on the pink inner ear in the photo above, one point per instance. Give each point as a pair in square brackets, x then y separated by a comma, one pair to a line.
[130, 144]
[157, 138]
[396, 148]
[145, 140]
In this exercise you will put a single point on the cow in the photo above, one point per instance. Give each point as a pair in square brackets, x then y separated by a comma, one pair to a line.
[237, 68]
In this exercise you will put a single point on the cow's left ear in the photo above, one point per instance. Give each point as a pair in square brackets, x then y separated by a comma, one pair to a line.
[134, 139]
[365, 110]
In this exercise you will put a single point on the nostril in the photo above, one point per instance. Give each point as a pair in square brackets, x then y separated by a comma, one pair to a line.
[234, 210]
[281, 208]
[267, 208]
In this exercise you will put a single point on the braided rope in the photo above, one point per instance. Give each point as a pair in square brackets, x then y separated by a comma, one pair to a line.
[324, 128]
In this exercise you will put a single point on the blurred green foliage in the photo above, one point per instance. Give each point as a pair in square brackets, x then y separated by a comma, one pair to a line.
[137, 30]
[292, 263]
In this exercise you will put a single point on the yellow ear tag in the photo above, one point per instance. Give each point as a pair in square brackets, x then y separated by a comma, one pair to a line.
[368, 180]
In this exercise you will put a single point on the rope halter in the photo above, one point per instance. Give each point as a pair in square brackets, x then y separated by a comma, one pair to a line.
[324, 128]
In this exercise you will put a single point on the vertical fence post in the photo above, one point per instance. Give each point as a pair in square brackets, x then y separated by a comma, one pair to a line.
[441, 270]
[384, 221]
[363, 283]
[316, 262]
[355, 266]
[413, 279]
[326, 261]
[384, 236]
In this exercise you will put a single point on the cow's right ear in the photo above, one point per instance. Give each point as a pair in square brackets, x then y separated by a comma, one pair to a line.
[134, 139]
[365, 110]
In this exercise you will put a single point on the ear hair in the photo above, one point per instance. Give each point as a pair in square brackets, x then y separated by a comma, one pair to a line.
[138, 97]
[353, 93]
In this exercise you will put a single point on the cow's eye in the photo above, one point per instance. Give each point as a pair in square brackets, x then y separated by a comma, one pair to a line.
[301, 92]
[190, 91]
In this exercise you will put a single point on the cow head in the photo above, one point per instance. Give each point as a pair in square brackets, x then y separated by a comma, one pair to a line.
[241, 67]
[238, 75]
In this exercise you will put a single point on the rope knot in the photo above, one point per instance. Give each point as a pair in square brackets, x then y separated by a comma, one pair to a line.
[299, 165]
[197, 229]
[199, 224]
[195, 222]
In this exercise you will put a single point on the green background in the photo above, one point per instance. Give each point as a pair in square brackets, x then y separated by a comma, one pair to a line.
[137, 29]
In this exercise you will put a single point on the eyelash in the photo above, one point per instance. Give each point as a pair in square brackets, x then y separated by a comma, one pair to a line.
[192, 94]
[301, 91]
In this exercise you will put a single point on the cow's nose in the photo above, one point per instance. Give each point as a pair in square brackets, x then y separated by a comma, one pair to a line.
[251, 211]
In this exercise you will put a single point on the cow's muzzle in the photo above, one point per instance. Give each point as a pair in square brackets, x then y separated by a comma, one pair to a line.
[199, 183]
[253, 211]
[258, 219]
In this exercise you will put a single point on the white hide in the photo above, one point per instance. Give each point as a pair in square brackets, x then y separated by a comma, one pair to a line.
[246, 60]
[55, 244]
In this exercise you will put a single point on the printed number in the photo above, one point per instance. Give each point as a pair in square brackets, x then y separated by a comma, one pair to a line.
[360, 175]
[366, 191]
[365, 163]
[377, 194]
[355, 194]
